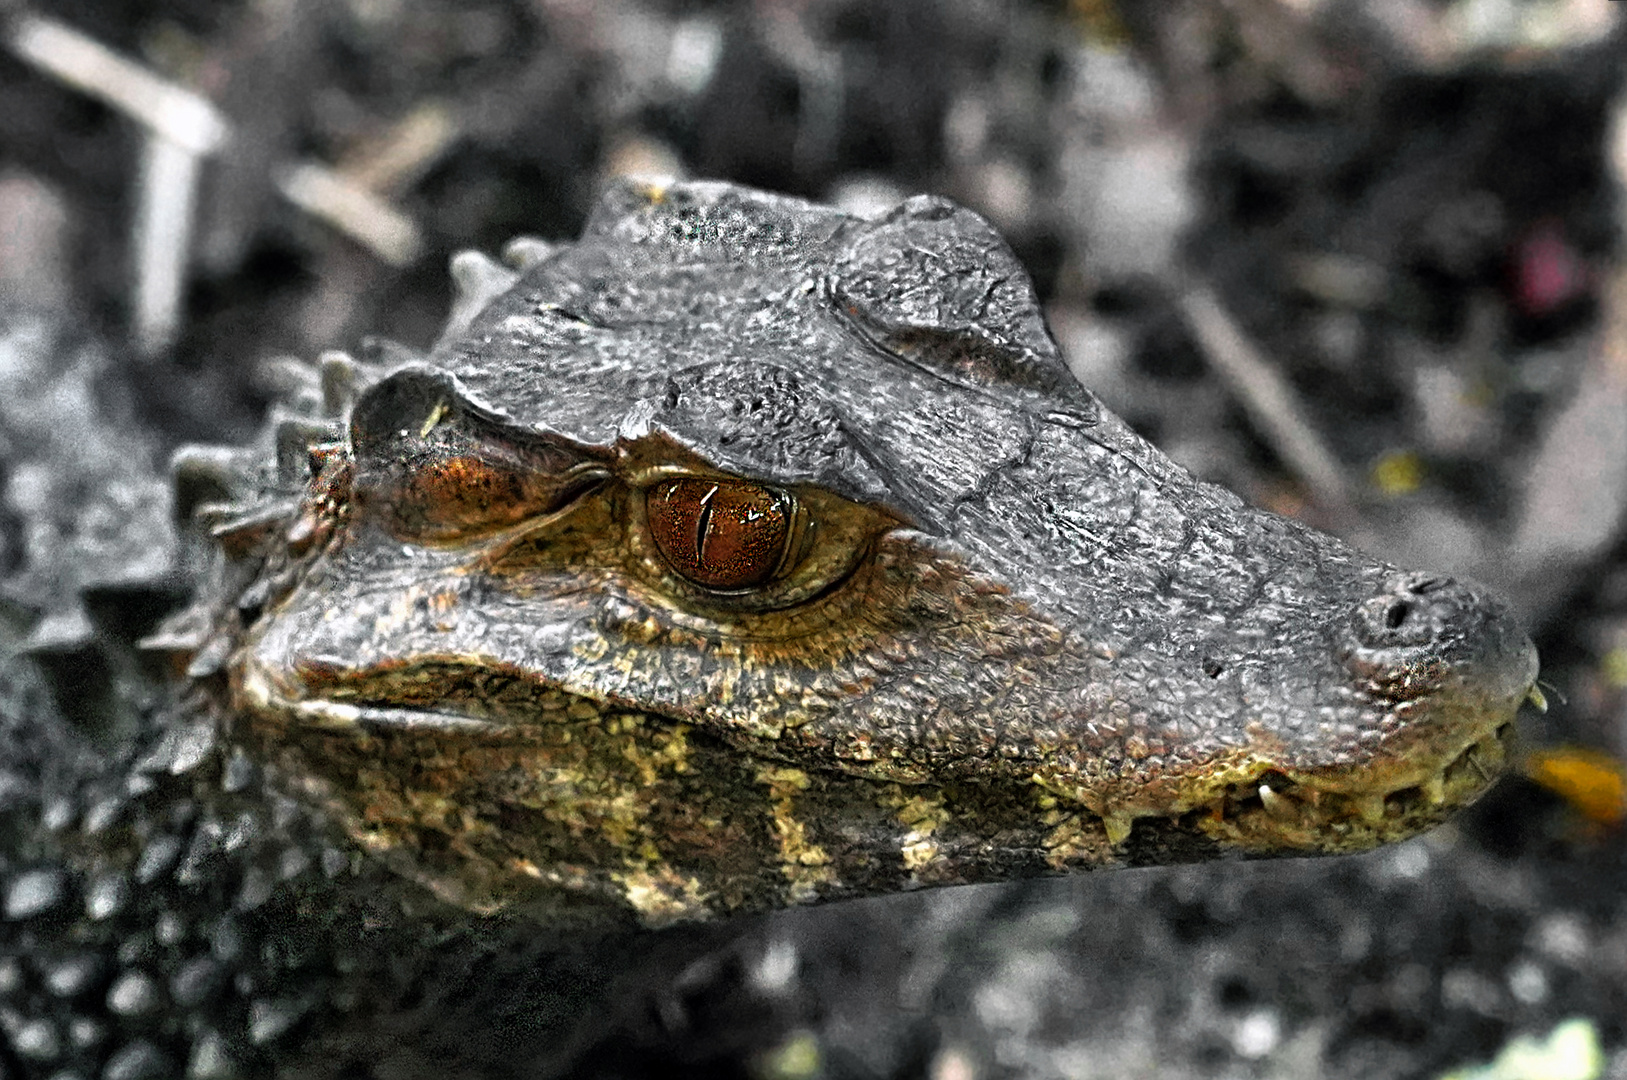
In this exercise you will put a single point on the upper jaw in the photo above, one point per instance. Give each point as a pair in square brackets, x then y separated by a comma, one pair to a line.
[1417, 631]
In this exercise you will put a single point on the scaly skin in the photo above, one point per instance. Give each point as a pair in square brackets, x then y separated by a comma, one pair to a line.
[450, 703]
[1016, 639]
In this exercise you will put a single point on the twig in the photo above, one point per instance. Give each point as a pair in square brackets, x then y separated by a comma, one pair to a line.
[1269, 401]
[173, 112]
[354, 211]
[183, 128]
[406, 151]
[163, 240]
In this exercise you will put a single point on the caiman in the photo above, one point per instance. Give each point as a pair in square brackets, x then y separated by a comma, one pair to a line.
[741, 553]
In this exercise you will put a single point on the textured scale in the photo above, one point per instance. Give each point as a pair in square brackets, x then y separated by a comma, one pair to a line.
[558, 649]
[741, 553]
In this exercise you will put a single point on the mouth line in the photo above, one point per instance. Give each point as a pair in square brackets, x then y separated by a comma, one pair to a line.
[1299, 801]
[1472, 768]
[340, 716]
[1299, 811]
[1274, 791]
[1272, 810]
[334, 715]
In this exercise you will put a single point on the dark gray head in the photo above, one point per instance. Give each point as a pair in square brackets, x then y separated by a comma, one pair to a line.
[823, 489]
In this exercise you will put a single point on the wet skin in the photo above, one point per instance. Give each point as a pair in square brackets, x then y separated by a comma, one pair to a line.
[745, 553]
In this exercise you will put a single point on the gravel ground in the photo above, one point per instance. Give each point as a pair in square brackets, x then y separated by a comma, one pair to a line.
[1410, 212]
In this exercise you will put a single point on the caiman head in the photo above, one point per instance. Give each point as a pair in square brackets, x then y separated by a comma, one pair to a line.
[744, 552]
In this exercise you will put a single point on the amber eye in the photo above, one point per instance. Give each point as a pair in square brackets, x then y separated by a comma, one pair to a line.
[723, 534]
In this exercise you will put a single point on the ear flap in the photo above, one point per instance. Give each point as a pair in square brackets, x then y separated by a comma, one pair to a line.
[935, 285]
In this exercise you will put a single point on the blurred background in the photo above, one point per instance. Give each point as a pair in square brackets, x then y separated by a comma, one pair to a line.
[1359, 260]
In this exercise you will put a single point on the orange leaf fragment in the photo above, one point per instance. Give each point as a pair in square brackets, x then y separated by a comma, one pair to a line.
[1592, 781]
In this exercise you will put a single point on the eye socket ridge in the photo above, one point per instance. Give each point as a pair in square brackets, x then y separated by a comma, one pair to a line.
[458, 476]
[725, 535]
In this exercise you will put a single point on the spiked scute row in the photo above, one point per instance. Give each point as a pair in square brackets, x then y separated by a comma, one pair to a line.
[163, 912]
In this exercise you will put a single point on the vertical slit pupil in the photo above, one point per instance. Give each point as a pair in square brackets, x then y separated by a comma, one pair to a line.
[722, 534]
[703, 523]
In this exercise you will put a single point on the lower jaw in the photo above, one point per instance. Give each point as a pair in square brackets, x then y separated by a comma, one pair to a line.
[1282, 815]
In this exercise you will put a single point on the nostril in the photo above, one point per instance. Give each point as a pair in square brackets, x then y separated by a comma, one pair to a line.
[1396, 614]
[1400, 618]
[1416, 634]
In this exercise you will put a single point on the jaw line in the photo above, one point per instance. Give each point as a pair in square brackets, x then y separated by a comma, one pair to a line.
[336, 716]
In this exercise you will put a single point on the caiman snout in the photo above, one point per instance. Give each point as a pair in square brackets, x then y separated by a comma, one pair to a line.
[1432, 626]
[1412, 610]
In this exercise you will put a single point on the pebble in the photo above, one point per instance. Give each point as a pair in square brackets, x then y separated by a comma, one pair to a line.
[268, 1020]
[34, 893]
[195, 981]
[73, 976]
[157, 857]
[37, 1040]
[83, 1032]
[256, 889]
[107, 897]
[138, 1061]
[134, 994]
[210, 1059]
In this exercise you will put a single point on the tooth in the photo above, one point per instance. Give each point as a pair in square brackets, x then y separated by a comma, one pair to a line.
[1434, 789]
[1534, 696]
[1278, 806]
[1369, 807]
[1118, 827]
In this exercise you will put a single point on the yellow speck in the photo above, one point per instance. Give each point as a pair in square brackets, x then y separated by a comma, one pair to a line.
[592, 650]
[662, 895]
[797, 1058]
[784, 777]
[436, 415]
[918, 851]
[1592, 781]
[923, 811]
[805, 865]
[582, 710]
[1614, 667]
[1399, 472]
[1076, 841]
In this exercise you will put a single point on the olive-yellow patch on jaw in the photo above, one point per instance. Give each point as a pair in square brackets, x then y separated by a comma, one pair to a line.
[805, 864]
